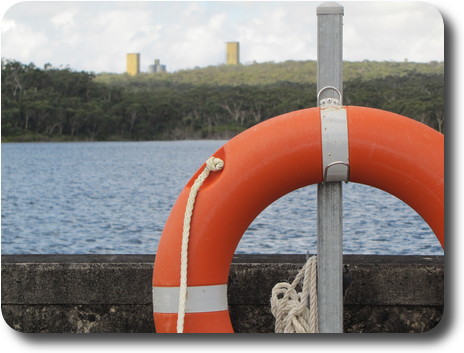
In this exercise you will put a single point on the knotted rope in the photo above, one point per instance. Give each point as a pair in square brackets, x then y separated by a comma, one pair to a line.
[213, 164]
[290, 308]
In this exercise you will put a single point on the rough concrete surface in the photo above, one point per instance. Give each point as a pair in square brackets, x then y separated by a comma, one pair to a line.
[112, 293]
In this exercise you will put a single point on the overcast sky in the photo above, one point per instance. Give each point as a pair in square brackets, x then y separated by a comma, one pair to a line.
[95, 36]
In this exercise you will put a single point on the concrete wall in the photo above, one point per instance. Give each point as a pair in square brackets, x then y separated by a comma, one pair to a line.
[112, 293]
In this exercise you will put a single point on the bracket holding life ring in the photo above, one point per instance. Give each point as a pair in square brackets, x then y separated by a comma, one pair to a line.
[326, 102]
[326, 169]
[334, 134]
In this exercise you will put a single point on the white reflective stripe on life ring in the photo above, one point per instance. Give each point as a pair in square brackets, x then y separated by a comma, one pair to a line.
[200, 299]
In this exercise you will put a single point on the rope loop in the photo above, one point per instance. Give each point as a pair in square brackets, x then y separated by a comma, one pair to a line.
[213, 164]
[290, 308]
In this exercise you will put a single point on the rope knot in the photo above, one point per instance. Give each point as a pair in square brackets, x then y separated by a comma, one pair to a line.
[290, 307]
[214, 164]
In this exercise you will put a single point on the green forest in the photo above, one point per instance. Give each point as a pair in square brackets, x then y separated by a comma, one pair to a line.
[60, 104]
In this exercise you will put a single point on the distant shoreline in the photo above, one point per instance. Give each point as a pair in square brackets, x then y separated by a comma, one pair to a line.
[27, 139]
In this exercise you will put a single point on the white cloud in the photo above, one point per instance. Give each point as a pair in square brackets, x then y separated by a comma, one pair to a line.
[190, 45]
[64, 20]
[95, 36]
[23, 42]
[217, 21]
[280, 34]
[7, 25]
[393, 31]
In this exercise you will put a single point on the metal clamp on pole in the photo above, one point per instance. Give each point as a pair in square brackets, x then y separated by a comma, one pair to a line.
[335, 151]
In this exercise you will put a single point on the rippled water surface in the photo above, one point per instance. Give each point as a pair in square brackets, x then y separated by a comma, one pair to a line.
[114, 198]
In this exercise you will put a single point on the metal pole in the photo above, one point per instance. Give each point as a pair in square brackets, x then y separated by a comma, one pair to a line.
[329, 194]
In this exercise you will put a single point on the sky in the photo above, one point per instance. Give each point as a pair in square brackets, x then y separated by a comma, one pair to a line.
[96, 36]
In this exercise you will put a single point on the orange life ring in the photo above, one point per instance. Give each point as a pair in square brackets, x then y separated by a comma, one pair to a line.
[388, 151]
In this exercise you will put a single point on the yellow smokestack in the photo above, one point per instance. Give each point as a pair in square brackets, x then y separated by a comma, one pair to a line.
[233, 53]
[133, 64]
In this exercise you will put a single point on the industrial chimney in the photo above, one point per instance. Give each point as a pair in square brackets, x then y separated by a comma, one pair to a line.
[232, 53]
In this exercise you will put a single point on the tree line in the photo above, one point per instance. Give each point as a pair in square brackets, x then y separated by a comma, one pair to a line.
[59, 104]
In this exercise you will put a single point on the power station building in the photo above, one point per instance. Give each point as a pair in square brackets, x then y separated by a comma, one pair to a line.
[157, 67]
[133, 64]
[232, 53]
[133, 60]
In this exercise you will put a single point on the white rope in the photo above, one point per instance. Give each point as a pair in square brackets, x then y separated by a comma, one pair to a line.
[213, 164]
[290, 308]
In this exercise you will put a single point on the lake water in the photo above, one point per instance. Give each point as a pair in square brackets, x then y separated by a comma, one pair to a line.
[114, 198]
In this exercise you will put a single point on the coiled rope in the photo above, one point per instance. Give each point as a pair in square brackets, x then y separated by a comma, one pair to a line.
[290, 308]
[213, 164]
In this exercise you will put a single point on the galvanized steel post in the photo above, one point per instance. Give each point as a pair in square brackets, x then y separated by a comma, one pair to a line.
[329, 194]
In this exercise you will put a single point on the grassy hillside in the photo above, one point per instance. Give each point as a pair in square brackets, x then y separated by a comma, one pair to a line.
[270, 73]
